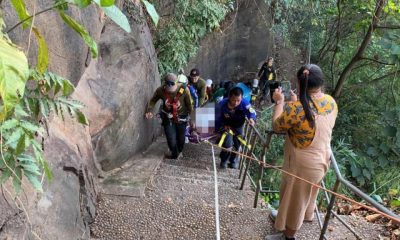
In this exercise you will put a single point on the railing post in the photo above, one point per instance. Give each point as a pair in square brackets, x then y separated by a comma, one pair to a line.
[246, 137]
[248, 162]
[329, 210]
[252, 139]
[260, 176]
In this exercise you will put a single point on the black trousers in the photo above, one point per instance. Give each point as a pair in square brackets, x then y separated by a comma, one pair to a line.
[175, 133]
[231, 141]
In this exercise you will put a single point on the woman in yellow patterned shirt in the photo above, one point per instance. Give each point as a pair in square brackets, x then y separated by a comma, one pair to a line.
[308, 123]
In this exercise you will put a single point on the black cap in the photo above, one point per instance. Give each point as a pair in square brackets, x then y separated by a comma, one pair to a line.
[194, 72]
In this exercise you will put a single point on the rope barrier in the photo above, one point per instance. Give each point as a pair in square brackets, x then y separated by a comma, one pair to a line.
[266, 165]
[217, 225]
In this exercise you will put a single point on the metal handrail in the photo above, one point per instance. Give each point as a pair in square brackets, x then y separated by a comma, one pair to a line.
[252, 133]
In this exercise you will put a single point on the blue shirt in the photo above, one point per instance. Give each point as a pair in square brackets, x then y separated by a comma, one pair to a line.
[236, 117]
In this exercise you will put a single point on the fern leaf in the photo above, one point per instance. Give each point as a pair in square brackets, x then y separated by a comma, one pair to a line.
[9, 124]
[34, 181]
[17, 179]
[5, 175]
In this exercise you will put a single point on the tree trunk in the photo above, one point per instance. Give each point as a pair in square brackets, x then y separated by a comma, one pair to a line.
[358, 56]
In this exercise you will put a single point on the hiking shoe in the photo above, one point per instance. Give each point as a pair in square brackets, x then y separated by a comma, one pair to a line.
[170, 156]
[273, 214]
[223, 165]
[278, 236]
[233, 165]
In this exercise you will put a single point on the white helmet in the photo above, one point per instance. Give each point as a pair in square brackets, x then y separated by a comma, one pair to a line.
[182, 78]
[209, 82]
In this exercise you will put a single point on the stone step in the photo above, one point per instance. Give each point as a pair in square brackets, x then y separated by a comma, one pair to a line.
[181, 190]
[144, 218]
[228, 176]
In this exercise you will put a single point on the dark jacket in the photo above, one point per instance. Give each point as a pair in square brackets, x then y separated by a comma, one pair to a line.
[265, 71]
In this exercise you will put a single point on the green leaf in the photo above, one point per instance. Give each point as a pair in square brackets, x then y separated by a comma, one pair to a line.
[81, 117]
[367, 174]
[395, 203]
[151, 11]
[15, 136]
[80, 3]
[395, 49]
[34, 181]
[82, 32]
[32, 168]
[25, 158]
[9, 124]
[5, 175]
[390, 131]
[17, 179]
[20, 146]
[377, 198]
[31, 127]
[106, 3]
[47, 171]
[14, 73]
[68, 88]
[19, 6]
[355, 171]
[372, 151]
[20, 112]
[44, 109]
[43, 53]
[116, 16]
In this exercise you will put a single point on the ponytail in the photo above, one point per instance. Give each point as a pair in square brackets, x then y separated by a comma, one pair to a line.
[305, 98]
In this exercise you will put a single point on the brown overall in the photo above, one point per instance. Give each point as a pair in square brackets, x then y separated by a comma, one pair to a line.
[311, 163]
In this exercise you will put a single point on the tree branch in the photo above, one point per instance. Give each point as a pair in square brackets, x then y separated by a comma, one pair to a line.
[373, 81]
[36, 14]
[387, 27]
[373, 60]
[367, 39]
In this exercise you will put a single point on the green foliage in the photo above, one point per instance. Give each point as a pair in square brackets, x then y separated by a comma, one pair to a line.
[366, 135]
[116, 15]
[177, 38]
[20, 8]
[14, 72]
[43, 52]
[152, 12]
[81, 31]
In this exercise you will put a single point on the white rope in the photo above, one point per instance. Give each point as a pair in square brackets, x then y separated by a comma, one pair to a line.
[216, 196]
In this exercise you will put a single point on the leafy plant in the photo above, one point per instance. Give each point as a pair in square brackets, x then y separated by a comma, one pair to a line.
[177, 38]
[29, 97]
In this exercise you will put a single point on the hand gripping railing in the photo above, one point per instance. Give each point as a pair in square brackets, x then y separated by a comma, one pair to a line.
[253, 136]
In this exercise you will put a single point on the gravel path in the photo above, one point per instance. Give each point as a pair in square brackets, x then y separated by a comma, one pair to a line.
[179, 204]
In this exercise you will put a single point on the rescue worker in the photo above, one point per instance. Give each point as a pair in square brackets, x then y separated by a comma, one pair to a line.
[199, 85]
[175, 113]
[267, 75]
[234, 111]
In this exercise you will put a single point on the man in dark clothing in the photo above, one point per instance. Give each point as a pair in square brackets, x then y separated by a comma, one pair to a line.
[175, 113]
[267, 75]
[234, 111]
[199, 85]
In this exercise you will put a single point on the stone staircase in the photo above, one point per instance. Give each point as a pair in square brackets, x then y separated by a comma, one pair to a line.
[178, 203]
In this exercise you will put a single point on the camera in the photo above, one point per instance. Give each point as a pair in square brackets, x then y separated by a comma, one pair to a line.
[286, 87]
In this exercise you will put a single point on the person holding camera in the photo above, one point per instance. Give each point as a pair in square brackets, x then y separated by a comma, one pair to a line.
[176, 109]
[308, 124]
[233, 113]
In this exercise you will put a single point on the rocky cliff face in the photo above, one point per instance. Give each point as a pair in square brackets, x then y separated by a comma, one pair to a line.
[115, 88]
[242, 44]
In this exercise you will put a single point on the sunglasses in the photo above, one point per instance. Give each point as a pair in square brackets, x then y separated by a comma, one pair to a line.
[169, 84]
